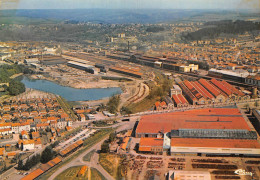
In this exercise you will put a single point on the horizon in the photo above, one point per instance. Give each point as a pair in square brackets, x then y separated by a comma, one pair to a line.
[252, 5]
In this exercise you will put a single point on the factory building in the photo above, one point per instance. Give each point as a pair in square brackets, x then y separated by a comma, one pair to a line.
[189, 175]
[238, 75]
[212, 131]
[203, 92]
[31, 60]
[127, 71]
[52, 60]
[84, 67]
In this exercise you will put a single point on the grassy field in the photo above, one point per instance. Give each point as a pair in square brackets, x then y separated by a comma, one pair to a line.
[71, 173]
[88, 156]
[96, 175]
[110, 162]
[88, 143]
[144, 105]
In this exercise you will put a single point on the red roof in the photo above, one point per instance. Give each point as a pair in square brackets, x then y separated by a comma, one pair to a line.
[193, 90]
[219, 85]
[176, 99]
[33, 175]
[157, 104]
[163, 103]
[182, 99]
[147, 143]
[232, 88]
[210, 118]
[202, 90]
[213, 90]
[187, 91]
[222, 143]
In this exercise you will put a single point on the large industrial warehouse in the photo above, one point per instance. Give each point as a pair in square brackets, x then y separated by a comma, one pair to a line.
[85, 67]
[221, 131]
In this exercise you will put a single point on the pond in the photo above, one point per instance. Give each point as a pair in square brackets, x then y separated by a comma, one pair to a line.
[71, 94]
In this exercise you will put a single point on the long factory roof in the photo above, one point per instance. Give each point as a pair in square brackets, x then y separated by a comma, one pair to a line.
[210, 118]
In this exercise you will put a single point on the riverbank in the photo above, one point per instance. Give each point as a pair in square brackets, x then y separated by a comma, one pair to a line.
[87, 83]
[70, 94]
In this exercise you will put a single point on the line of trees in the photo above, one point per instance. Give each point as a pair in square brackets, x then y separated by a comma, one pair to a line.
[113, 104]
[29, 163]
[47, 155]
[105, 145]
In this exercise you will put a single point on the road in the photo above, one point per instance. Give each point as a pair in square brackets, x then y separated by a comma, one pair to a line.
[78, 161]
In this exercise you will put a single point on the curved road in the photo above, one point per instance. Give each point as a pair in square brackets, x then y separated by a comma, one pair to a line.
[78, 161]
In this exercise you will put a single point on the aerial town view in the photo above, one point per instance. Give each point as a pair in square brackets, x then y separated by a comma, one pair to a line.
[129, 90]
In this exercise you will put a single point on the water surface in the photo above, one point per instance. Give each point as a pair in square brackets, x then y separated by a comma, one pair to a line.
[71, 94]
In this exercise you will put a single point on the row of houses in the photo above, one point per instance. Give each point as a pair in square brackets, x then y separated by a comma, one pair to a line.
[17, 128]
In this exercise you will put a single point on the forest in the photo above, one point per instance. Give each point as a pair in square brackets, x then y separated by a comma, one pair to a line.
[215, 28]
[6, 71]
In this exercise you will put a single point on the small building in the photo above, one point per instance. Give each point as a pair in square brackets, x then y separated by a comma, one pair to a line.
[151, 145]
[253, 80]
[2, 152]
[11, 155]
[90, 117]
[82, 117]
[31, 61]
[175, 90]
[157, 64]
[26, 145]
[189, 68]
[169, 103]
[189, 175]
[25, 135]
[38, 143]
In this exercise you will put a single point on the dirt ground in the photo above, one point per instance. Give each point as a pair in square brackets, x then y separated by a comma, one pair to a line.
[143, 166]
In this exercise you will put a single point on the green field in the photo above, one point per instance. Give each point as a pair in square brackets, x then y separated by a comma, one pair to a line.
[96, 175]
[88, 156]
[144, 105]
[111, 163]
[71, 173]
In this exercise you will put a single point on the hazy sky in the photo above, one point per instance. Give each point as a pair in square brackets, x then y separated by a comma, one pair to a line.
[130, 4]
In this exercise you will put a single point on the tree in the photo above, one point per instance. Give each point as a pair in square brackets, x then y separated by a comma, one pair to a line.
[256, 104]
[47, 154]
[16, 87]
[20, 165]
[125, 110]
[27, 165]
[105, 147]
[112, 136]
[101, 107]
[113, 103]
